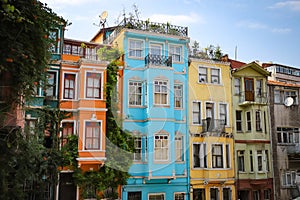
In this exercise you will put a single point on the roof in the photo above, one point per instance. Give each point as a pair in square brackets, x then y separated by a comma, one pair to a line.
[271, 82]
[255, 66]
[235, 64]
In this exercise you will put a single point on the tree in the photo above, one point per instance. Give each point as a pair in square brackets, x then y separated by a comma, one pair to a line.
[24, 37]
[210, 52]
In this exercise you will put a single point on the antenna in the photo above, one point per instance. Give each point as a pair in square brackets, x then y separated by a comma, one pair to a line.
[102, 17]
[288, 101]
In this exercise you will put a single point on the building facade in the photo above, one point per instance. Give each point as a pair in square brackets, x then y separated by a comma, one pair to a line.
[154, 107]
[284, 88]
[82, 83]
[210, 126]
[251, 130]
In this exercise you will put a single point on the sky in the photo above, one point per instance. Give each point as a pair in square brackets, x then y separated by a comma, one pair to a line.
[248, 30]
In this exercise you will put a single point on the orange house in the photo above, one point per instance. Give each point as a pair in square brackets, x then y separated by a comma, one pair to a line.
[82, 92]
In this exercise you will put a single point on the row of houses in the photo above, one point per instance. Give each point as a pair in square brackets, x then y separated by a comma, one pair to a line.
[203, 128]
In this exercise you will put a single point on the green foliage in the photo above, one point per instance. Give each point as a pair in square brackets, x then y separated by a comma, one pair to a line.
[24, 30]
[108, 54]
[210, 52]
[119, 148]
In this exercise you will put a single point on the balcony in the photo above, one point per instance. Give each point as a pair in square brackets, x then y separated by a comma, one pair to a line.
[158, 60]
[252, 98]
[213, 125]
[293, 150]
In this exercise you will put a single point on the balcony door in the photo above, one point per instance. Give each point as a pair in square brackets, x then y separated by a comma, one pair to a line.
[249, 89]
[210, 115]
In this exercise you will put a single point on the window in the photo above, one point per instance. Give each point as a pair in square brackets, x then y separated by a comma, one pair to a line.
[196, 112]
[251, 161]
[67, 130]
[227, 194]
[223, 113]
[175, 52]
[137, 156]
[267, 194]
[51, 85]
[227, 156]
[92, 135]
[135, 93]
[215, 76]
[53, 36]
[199, 155]
[259, 161]
[288, 135]
[292, 94]
[241, 161]
[238, 120]
[199, 194]
[161, 92]
[248, 118]
[256, 195]
[155, 49]
[30, 125]
[93, 85]
[267, 160]
[217, 155]
[202, 75]
[161, 147]
[288, 178]
[179, 148]
[156, 197]
[179, 196]
[134, 195]
[136, 48]
[214, 194]
[178, 96]
[259, 87]
[277, 98]
[258, 120]
[237, 85]
[69, 86]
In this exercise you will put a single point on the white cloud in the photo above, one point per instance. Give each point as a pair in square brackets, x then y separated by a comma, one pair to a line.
[292, 5]
[260, 26]
[177, 19]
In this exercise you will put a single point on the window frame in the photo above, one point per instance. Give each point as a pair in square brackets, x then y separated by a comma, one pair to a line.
[248, 121]
[179, 150]
[226, 114]
[202, 160]
[215, 156]
[160, 47]
[157, 149]
[217, 193]
[239, 122]
[218, 76]
[136, 49]
[202, 75]
[258, 120]
[237, 86]
[198, 112]
[178, 98]
[179, 193]
[161, 84]
[138, 97]
[177, 57]
[64, 137]
[259, 159]
[74, 85]
[241, 155]
[54, 86]
[100, 88]
[100, 139]
[156, 194]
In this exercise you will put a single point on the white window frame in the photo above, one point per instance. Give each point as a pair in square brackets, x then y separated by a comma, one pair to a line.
[218, 76]
[248, 120]
[136, 49]
[55, 87]
[202, 154]
[199, 103]
[161, 84]
[175, 55]
[155, 194]
[75, 86]
[179, 139]
[291, 135]
[241, 154]
[101, 85]
[178, 88]
[288, 178]
[259, 158]
[155, 45]
[157, 149]
[226, 114]
[138, 96]
[84, 136]
[240, 121]
[214, 162]
[237, 86]
[258, 120]
[202, 75]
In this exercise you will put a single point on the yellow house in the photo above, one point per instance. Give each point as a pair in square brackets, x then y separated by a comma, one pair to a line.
[210, 126]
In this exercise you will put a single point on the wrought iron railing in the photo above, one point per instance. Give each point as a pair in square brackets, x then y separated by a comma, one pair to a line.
[84, 52]
[253, 97]
[158, 60]
[213, 125]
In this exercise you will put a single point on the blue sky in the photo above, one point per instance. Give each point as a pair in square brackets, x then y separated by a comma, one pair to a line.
[263, 30]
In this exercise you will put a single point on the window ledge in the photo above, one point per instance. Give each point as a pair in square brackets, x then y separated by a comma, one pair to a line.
[162, 106]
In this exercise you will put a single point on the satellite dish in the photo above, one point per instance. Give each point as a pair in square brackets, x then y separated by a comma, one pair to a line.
[103, 15]
[288, 101]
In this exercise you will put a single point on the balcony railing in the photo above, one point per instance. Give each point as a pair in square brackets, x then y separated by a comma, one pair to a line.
[253, 97]
[158, 60]
[89, 53]
[213, 125]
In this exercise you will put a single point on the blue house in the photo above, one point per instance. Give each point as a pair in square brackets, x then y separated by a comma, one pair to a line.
[154, 108]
